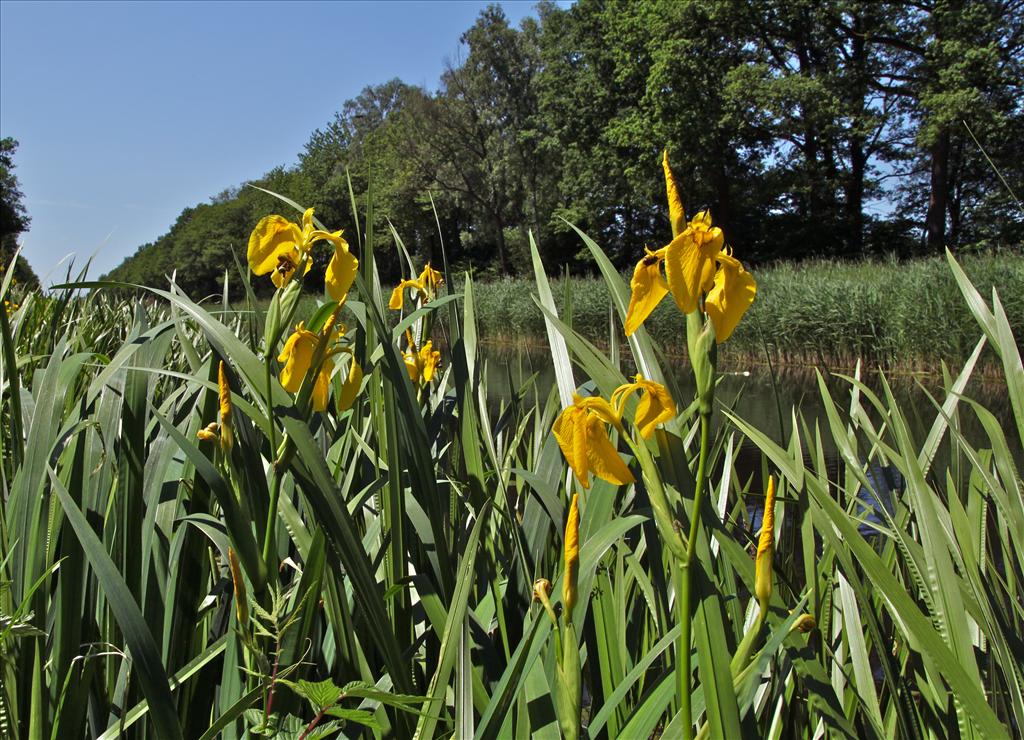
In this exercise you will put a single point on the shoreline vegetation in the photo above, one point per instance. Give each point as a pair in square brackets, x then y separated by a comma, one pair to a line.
[903, 317]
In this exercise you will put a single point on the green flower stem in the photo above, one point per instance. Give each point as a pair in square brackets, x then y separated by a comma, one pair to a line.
[684, 581]
[268, 374]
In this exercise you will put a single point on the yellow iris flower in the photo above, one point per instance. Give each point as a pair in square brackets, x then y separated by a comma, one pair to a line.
[421, 363]
[297, 356]
[426, 285]
[581, 433]
[279, 246]
[655, 406]
[689, 261]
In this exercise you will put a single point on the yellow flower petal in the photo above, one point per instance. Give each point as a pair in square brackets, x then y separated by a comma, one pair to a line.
[341, 272]
[600, 408]
[572, 558]
[428, 361]
[568, 433]
[412, 366]
[733, 293]
[273, 238]
[397, 301]
[297, 356]
[690, 261]
[602, 456]
[430, 279]
[675, 205]
[656, 407]
[322, 387]
[647, 288]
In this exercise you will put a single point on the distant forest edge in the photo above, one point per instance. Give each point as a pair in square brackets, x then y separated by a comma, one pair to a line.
[833, 128]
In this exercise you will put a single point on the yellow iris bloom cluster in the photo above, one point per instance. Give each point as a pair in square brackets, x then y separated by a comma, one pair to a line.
[421, 363]
[690, 275]
[297, 356]
[425, 285]
[280, 247]
[582, 429]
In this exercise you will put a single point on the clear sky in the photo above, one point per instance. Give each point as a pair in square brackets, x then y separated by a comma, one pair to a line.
[127, 112]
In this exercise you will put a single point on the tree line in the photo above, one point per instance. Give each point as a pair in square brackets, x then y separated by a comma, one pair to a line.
[838, 128]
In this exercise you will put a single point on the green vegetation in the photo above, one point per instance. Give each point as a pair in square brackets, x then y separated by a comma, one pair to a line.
[190, 550]
[14, 218]
[811, 129]
[819, 312]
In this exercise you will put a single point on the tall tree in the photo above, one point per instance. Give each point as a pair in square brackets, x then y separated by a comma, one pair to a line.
[958, 61]
[14, 218]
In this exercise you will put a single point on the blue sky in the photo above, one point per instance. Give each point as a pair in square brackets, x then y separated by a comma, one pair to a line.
[128, 112]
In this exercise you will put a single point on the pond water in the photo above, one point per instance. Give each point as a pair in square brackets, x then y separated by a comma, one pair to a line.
[766, 401]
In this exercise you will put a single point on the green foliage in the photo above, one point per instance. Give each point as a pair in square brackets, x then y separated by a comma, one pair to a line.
[14, 219]
[892, 313]
[810, 129]
[394, 593]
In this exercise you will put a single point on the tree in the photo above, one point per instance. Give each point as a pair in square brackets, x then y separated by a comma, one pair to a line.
[955, 62]
[14, 218]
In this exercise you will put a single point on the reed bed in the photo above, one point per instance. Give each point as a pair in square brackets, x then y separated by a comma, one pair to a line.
[898, 315]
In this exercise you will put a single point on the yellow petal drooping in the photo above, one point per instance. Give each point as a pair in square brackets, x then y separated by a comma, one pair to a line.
[582, 436]
[297, 355]
[656, 407]
[428, 360]
[733, 293]
[647, 288]
[602, 456]
[676, 213]
[430, 280]
[567, 430]
[397, 301]
[341, 271]
[572, 559]
[322, 387]
[765, 550]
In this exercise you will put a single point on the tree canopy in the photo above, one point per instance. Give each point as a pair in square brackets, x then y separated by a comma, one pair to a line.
[14, 218]
[809, 128]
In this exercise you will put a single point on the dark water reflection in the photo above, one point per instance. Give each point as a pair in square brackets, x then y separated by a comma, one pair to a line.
[767, 404]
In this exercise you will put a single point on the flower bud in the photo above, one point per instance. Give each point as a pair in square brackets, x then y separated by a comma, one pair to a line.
[765, 550]
[241, 595]
[227, 437]
[572, 559]
[805, 623]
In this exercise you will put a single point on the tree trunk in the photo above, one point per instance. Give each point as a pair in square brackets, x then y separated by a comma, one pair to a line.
[935, 221]
[499, 242]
